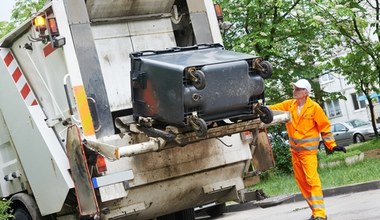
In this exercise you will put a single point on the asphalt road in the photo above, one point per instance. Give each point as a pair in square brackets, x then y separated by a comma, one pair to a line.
[360, 205]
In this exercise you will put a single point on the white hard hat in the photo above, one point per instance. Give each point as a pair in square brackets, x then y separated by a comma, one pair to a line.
[304, 84]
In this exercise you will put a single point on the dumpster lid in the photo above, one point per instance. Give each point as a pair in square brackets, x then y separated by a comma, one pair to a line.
[197, 55]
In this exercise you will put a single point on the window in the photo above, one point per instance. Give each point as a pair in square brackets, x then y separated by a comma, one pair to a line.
[325, 78]
[338, 128]
[332, 108]
[359, 103]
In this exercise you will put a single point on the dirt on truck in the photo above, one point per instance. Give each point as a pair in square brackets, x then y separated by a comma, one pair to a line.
[129, 109]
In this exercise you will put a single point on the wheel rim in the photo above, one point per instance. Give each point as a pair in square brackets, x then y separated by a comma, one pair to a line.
[358, 139]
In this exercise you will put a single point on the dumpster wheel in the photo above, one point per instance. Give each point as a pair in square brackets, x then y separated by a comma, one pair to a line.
[200, 127]
[199, 80]
[267, 69]
[266, 115]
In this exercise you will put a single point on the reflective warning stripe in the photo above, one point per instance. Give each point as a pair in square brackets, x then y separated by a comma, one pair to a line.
[18, 77]
[84, 110]
[48, 49]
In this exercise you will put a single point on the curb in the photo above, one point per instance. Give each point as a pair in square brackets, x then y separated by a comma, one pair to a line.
[354, 188]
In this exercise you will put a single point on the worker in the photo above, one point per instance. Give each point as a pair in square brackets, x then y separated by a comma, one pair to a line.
[308, 123]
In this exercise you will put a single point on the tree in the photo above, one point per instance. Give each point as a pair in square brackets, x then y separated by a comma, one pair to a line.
[357, 24]
[302, 40]
[288, 33]
[22, 10]
[5, 27]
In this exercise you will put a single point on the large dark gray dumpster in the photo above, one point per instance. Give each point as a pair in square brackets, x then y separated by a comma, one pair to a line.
[189, 87]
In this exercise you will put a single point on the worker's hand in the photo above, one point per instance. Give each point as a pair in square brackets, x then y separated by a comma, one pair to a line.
[339, 148]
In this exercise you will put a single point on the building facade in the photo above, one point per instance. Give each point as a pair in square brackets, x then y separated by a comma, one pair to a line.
[355, 107]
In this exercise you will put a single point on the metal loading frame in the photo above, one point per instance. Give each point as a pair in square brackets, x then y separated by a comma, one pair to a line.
[229, 129]
[181, 139]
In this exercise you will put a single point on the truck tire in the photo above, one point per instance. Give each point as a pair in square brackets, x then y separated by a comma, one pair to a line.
[20, 213]
[187, 214]
[25, 207]
[167, 217]
[216, 210]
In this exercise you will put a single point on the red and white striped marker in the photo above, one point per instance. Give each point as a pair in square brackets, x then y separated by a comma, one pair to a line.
[18, 77]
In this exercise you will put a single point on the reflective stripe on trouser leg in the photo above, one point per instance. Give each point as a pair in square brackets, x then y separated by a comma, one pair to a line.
[307, 178]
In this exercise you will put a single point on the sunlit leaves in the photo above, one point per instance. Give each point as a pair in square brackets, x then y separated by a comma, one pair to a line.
[301, 39]
[22, 10]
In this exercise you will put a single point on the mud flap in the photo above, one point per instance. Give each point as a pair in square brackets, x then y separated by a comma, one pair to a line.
[88, 205]
[262, 157]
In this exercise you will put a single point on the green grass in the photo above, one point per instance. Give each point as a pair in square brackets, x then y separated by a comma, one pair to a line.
[322, 157]
[363, 171]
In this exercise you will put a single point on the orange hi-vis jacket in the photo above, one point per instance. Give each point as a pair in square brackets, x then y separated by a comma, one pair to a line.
[306, 128]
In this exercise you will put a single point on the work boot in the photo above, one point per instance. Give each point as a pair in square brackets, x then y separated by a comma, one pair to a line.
[317, 218]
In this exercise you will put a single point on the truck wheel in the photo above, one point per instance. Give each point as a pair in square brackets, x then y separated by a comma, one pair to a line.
[21, 213]
[268, 69]
[216, 210]
[167, 217]
[200, 82]
[187, 214]
[267, 115]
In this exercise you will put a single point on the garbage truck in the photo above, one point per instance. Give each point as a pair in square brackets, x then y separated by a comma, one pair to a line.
[129, 109]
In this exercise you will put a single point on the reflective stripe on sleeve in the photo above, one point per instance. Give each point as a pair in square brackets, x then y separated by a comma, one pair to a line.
[329, 138]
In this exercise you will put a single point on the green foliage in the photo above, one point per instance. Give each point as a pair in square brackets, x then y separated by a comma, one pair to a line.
[22, 10]
[282, 156]
[5, 27]
[287, 33]
[305, 39]
[4, 210]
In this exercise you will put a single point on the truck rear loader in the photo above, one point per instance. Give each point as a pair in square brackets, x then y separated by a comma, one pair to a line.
[128, 109]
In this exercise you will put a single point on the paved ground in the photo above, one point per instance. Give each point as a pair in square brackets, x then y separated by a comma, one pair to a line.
[356, 204]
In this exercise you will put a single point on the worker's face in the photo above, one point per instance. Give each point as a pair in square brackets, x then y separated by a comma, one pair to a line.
[299, 93]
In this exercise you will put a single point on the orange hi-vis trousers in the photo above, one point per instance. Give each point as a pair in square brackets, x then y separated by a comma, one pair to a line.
[306, 174]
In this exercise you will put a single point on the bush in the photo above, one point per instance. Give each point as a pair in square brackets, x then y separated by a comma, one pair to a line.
[4, 210]
[282, 156]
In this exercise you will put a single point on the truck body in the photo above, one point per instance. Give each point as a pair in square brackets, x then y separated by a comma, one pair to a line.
[70, 143]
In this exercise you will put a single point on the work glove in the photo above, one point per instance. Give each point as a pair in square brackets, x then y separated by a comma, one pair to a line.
[340, 148]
